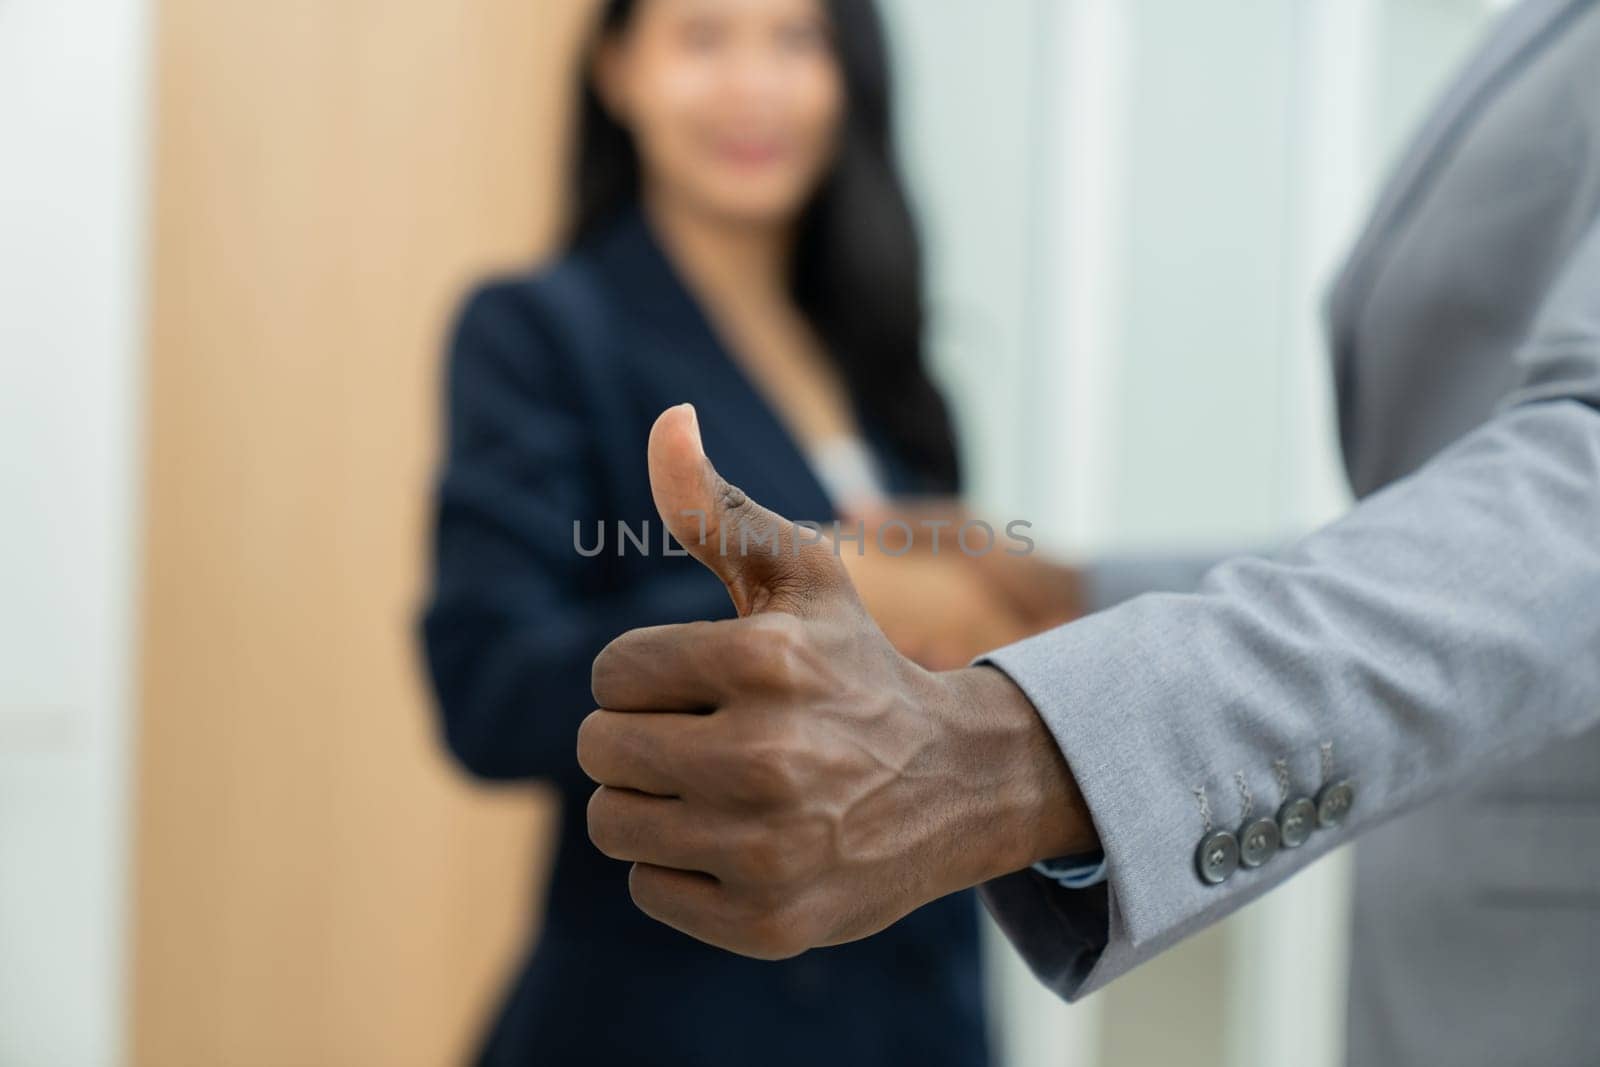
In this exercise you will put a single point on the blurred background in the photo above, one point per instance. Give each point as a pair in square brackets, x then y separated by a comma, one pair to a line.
[230, 238]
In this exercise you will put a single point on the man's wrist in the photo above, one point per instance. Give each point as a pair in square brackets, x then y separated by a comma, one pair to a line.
[1036, 810]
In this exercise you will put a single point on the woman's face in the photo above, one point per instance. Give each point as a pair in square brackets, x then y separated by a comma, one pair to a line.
[734, 104]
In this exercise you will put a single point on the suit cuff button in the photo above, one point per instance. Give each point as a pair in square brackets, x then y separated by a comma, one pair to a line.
[1333, 803]
[1296, 820]
[1217, 857]
[1257, 842]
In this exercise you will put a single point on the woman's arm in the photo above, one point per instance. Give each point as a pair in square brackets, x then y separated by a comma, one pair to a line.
[516, 615]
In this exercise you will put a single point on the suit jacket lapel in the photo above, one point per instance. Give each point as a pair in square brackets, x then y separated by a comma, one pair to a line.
[677, 351]
[1522, 30]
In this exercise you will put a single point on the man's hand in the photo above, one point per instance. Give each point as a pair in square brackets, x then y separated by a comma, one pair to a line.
[787, 779]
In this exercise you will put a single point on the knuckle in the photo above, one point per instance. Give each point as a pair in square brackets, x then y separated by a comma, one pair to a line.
[774, 934]
[604, 674]
[605, 825]
[778, 650]
[643, 889]
[738, 644]
[781, 628]
[778, 667]
[618, 673]
[591, 744]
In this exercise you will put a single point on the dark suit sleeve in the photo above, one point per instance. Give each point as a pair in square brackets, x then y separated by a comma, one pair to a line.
[516, 614]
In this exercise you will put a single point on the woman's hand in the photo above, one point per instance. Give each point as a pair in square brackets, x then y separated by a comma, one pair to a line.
[941, 605]
[1043, 592]
[936, 608]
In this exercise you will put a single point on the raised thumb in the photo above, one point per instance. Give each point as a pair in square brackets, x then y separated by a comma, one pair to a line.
[767, 562]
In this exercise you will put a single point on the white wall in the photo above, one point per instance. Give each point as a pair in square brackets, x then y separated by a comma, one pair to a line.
[72, 203]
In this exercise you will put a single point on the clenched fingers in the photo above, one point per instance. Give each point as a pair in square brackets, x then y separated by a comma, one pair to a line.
[652, 752]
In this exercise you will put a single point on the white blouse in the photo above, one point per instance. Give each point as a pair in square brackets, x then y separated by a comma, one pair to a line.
[848, 472]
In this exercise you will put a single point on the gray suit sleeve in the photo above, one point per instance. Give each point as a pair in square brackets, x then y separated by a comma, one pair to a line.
[1448, 622]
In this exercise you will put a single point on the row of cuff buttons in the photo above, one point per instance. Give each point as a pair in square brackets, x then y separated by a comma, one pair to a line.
[1222, 852]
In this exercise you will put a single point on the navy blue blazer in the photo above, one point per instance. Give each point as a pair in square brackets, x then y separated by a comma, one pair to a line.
[554, 380]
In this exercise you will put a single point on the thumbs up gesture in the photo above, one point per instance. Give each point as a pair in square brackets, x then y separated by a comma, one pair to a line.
[786, 779]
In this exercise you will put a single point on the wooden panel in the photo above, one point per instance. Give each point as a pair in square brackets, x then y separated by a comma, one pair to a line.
[315, 885]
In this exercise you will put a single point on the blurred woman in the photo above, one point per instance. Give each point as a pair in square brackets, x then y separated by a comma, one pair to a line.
[741, 240]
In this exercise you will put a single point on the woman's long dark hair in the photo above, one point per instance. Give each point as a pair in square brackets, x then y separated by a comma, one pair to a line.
[857, 273]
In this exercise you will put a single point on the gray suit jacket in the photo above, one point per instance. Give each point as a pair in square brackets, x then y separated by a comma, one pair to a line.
[1439, 646]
